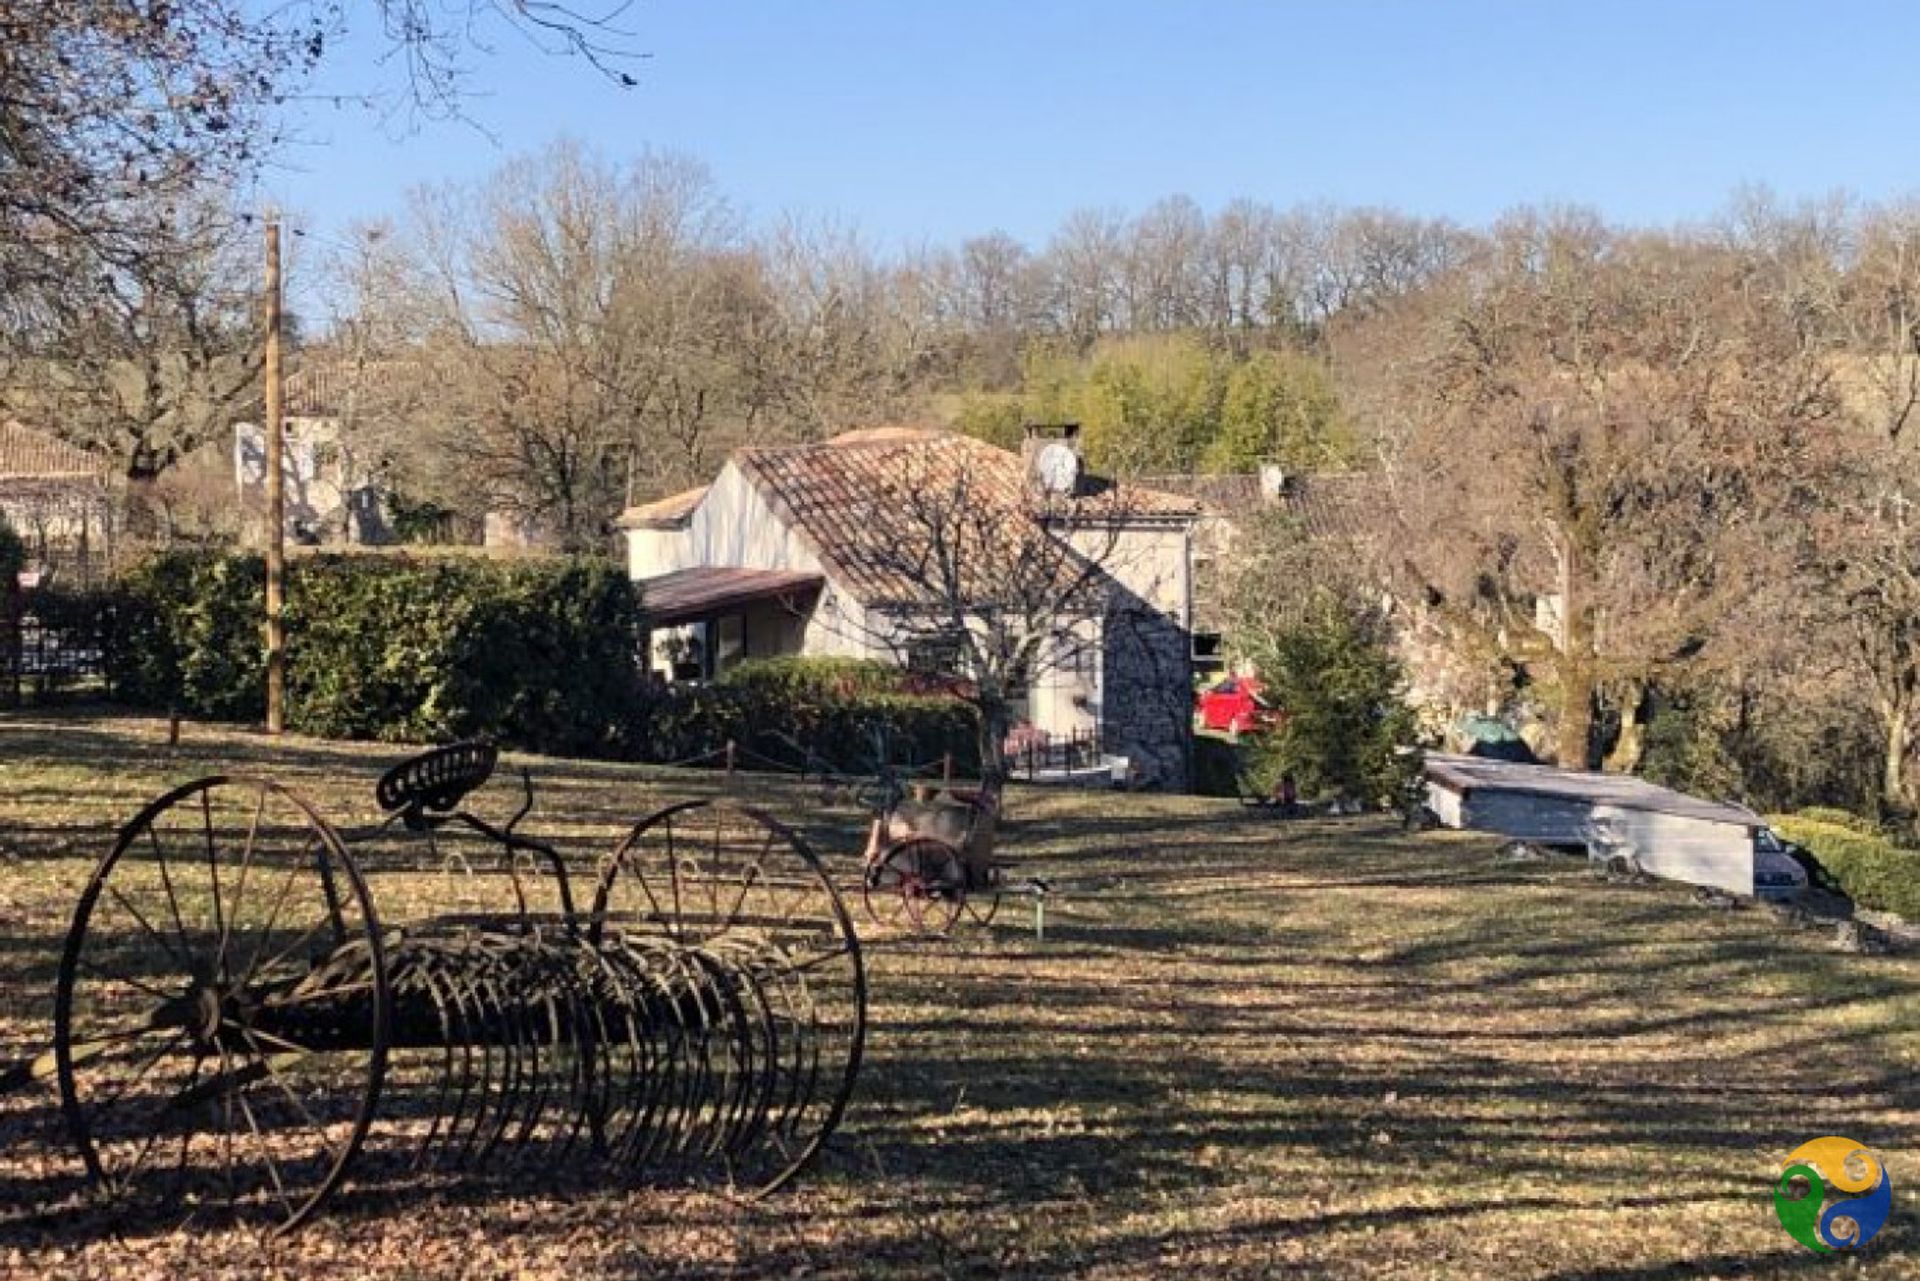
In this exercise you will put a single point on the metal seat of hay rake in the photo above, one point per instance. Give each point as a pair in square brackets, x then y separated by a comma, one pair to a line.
[238, 1025]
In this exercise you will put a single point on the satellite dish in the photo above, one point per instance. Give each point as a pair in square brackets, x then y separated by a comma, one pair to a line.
[1058, 468]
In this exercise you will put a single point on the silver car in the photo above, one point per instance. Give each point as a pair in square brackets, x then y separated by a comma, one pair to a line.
[1777, 874]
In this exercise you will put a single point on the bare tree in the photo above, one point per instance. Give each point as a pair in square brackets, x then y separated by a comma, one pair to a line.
[1165, 282]
[571, 334]
[1084, 265]
[836, 343]
[1865, 545]
[113, 110]
[148, 360]
[1597, 435]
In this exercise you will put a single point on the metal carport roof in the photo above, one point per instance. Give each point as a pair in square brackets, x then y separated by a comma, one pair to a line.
[690, 595]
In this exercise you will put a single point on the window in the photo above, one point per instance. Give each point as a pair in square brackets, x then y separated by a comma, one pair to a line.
[1079, 658]
[937, 655]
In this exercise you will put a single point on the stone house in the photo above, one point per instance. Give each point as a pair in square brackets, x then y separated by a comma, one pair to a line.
[812, 549]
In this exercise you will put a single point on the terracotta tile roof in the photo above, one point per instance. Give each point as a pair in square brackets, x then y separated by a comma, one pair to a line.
[855, 499]
[1219, 493]
[26, 454]
[670, 512]
[327, 386]
[1335, 504]
[1327, 504]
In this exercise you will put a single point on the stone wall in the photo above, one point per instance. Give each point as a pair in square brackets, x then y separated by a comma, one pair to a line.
[1147, 694]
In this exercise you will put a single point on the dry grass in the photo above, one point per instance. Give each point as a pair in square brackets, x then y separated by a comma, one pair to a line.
[1245, 1048]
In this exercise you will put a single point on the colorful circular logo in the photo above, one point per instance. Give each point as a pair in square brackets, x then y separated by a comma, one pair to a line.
[1820, 1170]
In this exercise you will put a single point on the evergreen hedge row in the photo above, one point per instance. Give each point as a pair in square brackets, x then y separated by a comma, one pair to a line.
[841, 715]
[1867, 867]
[538, 654]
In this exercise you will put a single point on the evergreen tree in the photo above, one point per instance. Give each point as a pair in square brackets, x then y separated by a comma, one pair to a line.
[1331, 673]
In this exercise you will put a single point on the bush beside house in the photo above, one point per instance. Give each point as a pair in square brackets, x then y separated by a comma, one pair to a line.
[816, 713]
[1868, 868]
[538, 654]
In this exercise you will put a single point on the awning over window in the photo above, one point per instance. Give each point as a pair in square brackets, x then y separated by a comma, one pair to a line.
[693, 595]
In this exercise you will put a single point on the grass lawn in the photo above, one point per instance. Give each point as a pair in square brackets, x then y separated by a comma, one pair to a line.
[1245, 1048]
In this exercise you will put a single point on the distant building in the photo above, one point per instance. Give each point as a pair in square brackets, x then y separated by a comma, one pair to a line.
[1330, 508]
[796, 550]
[332, 495]
[60, 500]
[516, 531]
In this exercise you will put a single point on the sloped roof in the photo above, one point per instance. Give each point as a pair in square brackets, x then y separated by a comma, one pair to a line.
[687, 595]
[1327, 504]
[325, 385]
[856, 498]
[670, 512]
[1463, 774]
[27, 454]
[1334, 504]
[1223, 493]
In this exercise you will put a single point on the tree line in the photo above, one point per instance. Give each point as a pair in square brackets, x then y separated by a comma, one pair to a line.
[1658, 481]
[593, 331]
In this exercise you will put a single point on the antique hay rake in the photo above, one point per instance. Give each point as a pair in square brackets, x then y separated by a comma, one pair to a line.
[233, 1015]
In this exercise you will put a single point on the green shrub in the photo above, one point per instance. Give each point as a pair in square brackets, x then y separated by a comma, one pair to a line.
[1866, 866]
[540, 654]
[802, 678]
[833, 712]
[689, 723]
[1339, 687]
[187, 635]
[1217, 767]
[1686, 749]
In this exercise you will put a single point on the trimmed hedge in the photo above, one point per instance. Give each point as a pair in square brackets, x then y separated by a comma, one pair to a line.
[540, 654]
[537, 654]
[1867, 868]
[830, 713]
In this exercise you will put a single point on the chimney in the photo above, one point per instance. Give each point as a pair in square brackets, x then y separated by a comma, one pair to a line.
[1037, 436]
[1273, 482]
[1050, 456]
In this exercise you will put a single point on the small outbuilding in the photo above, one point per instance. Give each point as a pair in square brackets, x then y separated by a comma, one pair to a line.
[1666, 833]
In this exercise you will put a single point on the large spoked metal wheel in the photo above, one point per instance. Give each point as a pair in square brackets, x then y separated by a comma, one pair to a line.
[220, 1013]
[748, 1051]
[917, 884]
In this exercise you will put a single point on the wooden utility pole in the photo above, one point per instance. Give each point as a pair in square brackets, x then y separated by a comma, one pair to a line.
[276, 498]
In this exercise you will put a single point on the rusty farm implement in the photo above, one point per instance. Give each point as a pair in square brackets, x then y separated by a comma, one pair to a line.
[238, 1026]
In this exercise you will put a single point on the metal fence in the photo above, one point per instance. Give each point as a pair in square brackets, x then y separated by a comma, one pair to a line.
[53, 643]
[1034, 754]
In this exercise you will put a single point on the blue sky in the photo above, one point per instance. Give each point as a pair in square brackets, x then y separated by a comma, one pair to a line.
[925, 122]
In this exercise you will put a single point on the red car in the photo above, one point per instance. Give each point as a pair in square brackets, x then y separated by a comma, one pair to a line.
[1236, 705]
